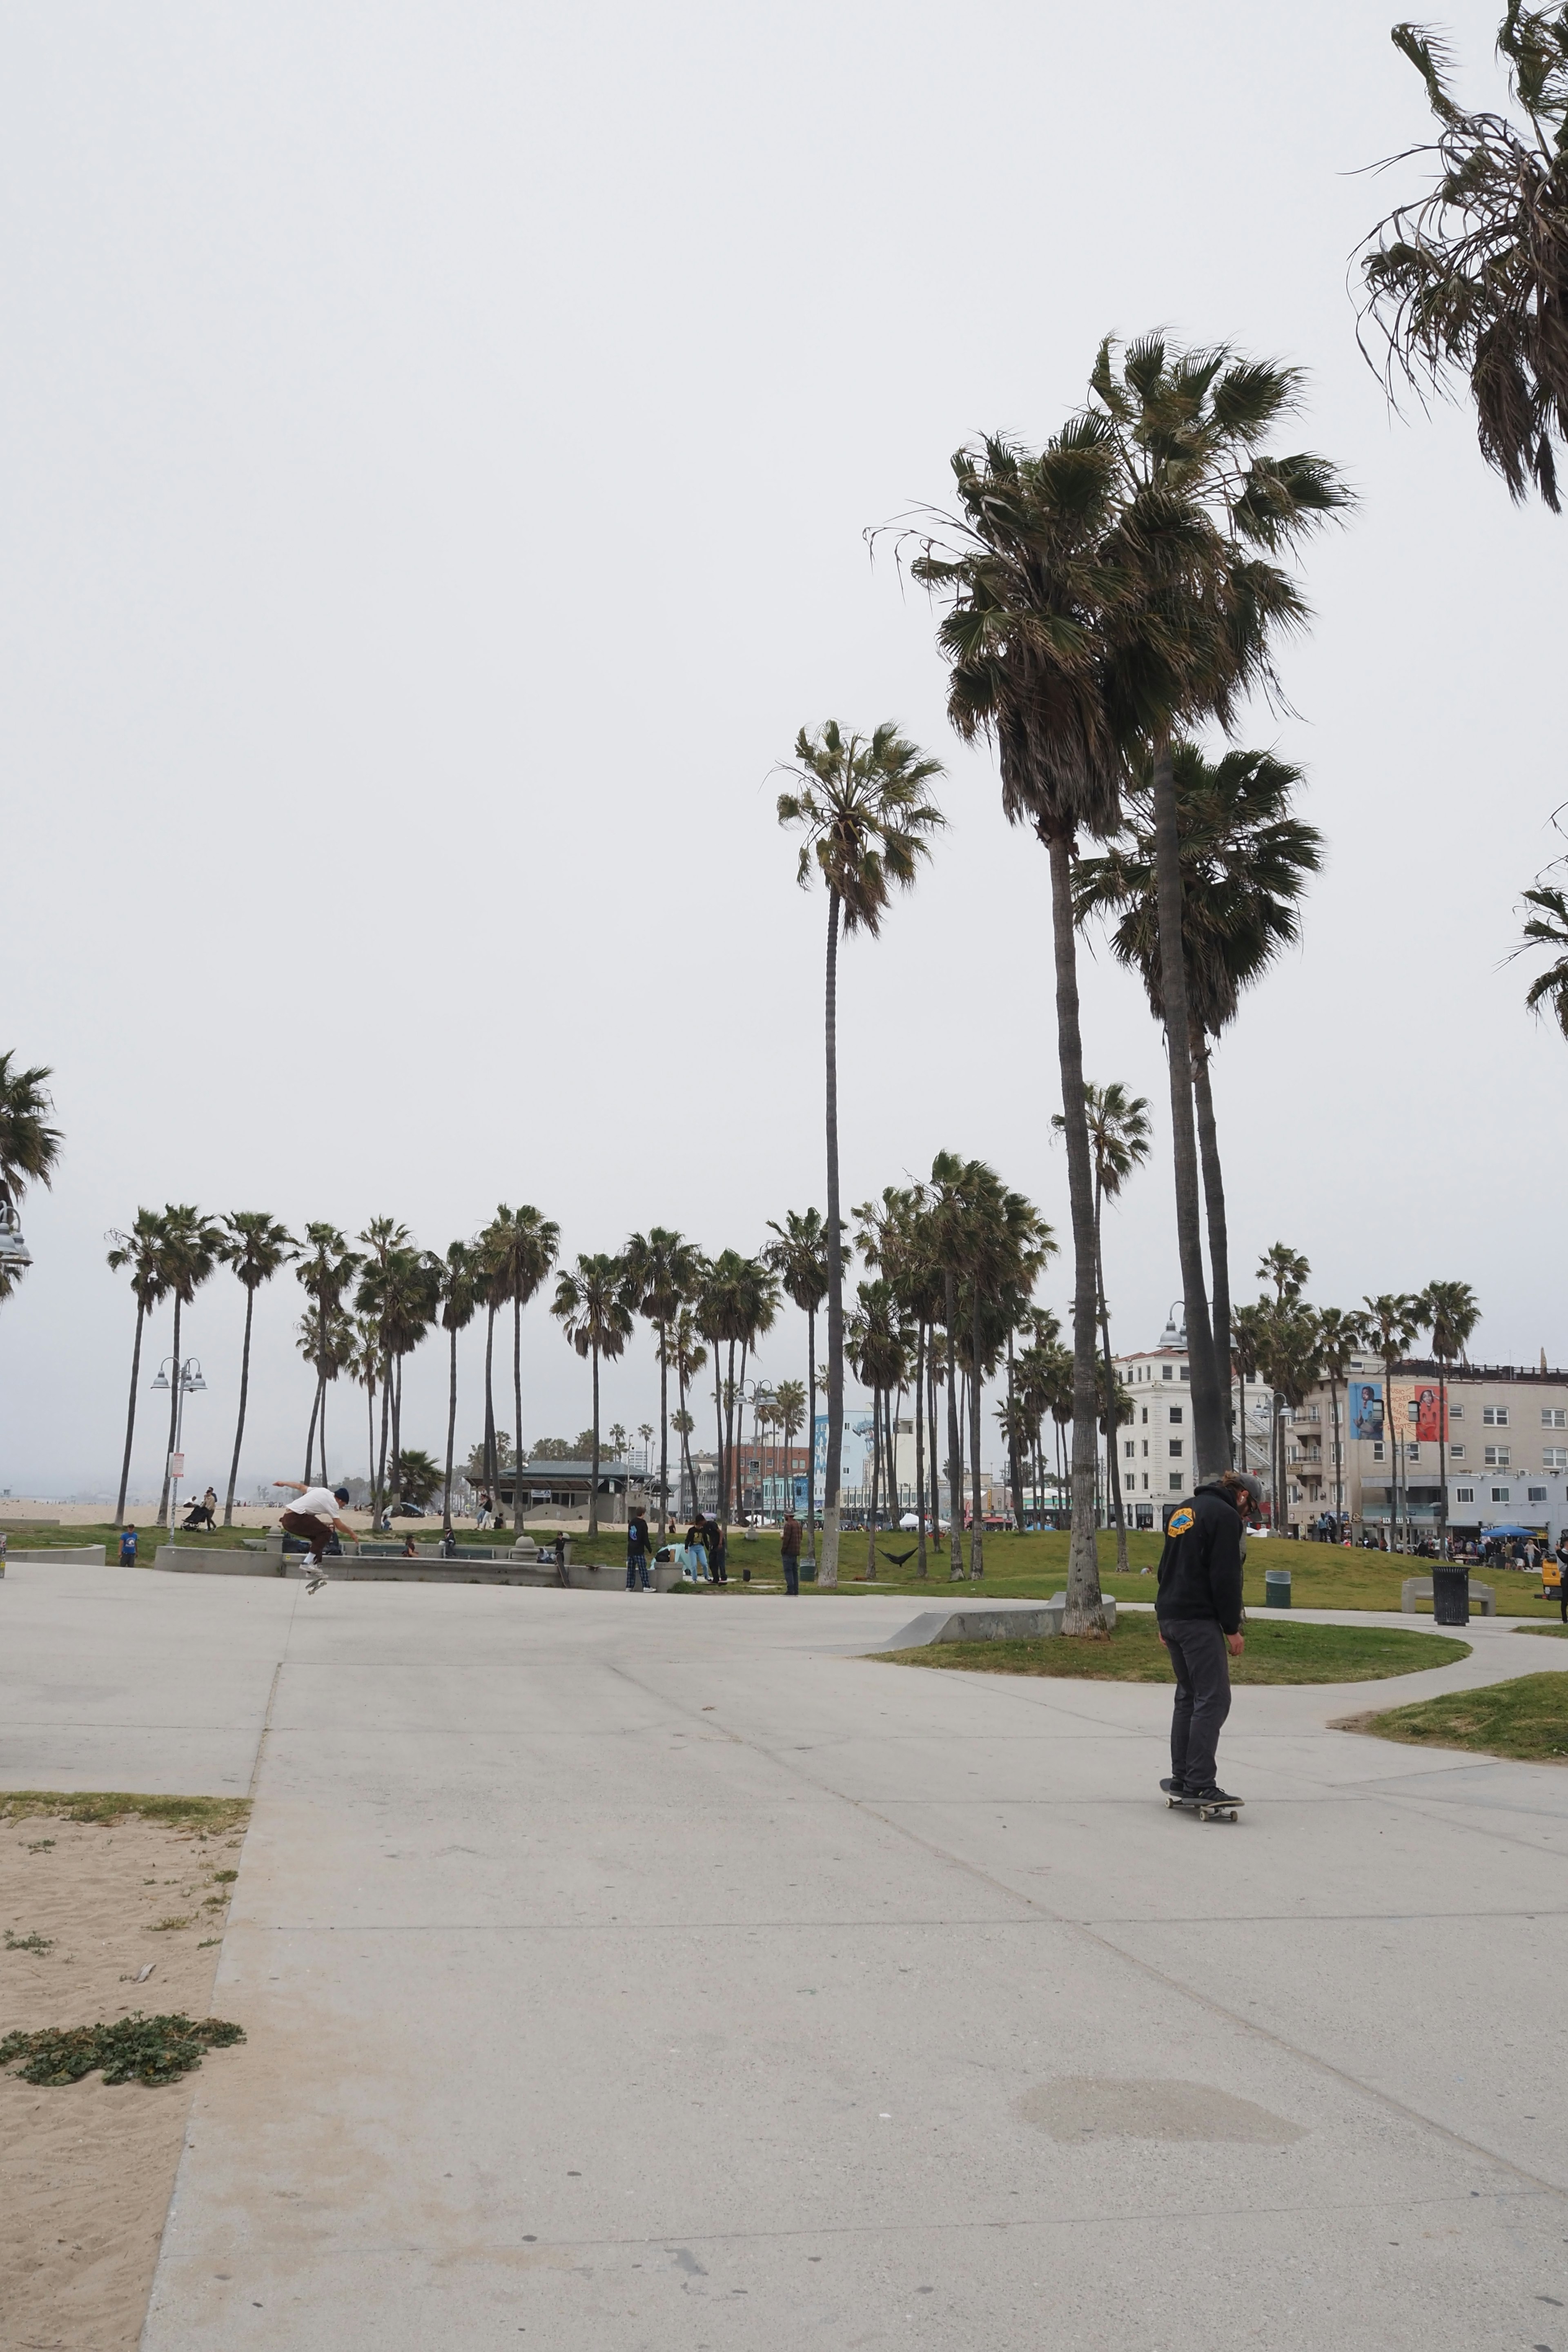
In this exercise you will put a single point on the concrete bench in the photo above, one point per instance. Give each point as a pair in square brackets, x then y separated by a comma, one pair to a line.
[1009, 1621]
[1419, 1587]
[78, 1555]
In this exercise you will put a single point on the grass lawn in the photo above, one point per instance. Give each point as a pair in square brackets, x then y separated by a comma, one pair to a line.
[1556, 1632]
[1275, 1651]
[1527, 1719]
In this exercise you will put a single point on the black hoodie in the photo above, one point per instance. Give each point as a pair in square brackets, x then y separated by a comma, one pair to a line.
[1200, 1568]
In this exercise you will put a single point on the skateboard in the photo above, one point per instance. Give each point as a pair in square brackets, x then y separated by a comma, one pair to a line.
[1224, 1811]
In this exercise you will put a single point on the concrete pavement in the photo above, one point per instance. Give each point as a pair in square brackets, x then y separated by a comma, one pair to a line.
[629, 1971]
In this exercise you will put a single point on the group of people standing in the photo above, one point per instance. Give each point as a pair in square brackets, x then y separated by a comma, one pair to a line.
[704, 1556]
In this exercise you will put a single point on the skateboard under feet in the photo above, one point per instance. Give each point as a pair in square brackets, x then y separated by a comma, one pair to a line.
[1225, 1810]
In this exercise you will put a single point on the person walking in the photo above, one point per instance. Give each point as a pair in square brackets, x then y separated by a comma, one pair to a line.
[695, 1559]
[789, 1552]
[314, 1519]
[716, 1538]
[637, 1543]
[128, 1544]
[1198, 1613]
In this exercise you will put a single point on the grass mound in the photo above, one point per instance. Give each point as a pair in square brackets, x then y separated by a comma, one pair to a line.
[1526, 1719]
[1275, 1653]
[108, 1807]
[131, 2050]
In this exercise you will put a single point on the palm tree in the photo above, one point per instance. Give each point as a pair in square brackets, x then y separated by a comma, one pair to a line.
[894, 1235]
[255, 1245]
[1249, 1341]
[1290, 1362]
[1245, 859]
[878, 1343]
[1450, 1312]
[680, 1420]
[866, 818]
[459, 1294]
[188, 1252]
[1340, 1336]
[798, 1255]
[419, 1476]
[521, 1246]
[1023, 564]
[1390, 1323]
[1548, 927]
[1470, 281]
[325, 1271]
[364, 1362]
[1119, 1141]
[1203, 510]
[382, 1237]
[662, 1272]
[683, 1349]
[29, 1146]
[590, 1305]
[1278, 1339]
[788, 1420]
[142, 1251]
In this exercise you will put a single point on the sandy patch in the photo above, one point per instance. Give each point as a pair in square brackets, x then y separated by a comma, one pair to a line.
[85, 2171]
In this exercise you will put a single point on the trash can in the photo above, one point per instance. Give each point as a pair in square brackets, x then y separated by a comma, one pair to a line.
[1450, 1594]
[1277, 1588]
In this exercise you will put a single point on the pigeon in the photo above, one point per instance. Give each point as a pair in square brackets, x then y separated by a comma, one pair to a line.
[897, 1559]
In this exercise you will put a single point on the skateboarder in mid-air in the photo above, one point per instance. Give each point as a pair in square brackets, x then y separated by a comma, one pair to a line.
[313, 1519]
[1198, 1614]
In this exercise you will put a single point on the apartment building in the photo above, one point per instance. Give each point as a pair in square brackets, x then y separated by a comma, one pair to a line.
[1154, 1450]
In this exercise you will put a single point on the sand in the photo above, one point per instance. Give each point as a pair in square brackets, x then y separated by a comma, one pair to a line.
[85, 2171]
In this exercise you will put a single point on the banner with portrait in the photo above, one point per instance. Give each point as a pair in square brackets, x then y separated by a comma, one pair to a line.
[1365, 1398]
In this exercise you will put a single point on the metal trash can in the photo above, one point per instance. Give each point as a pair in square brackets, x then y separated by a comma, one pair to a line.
[1450, 1594]
[1277, 1588]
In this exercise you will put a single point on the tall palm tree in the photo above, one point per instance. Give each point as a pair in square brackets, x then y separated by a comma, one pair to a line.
[590, 1306]
[327, 1266]
[1340, 1337]
[29, 1146]
[798, 1255]
[188, 1252]
[521, 1246]
[1471, 283]
[662, 1269]
[141, 1252]
[738, 1303]
[788, 1418]
[685, 1353]
[878, 1342]
[1280, 1336]
[1548, 927]
[1204, 510]
[1250, 1342]
[894, 1235]
[381, 1237]
[1120, 1139]
[1390, 1323]
[1023, 568]
[254, 1245]
[459, 1294]
[1245, 859]
[863, 804]
[1450, 1312]
[364, 1361]
[1290, 1362]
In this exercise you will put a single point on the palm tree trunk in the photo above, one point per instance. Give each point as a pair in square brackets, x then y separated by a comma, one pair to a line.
[173, 1417]
[827, 1574]
[381, 1498]
[451, 1435]
[719, 1489]
[130, 1415]
[921, 1446]
[1015, 1466]
[1083, 1609]
[244, 1390]
[739, 1447]
[976, 1386]
[1241, 1372]
[396, 1495]
[1208, 1416]
[1113, 1427]
[663, 1437]
[934, 1456]
[517, 1409]
[871, 1499]
[811, 1435]
[594, 1476]
[492, 1466]
[370, 1441]
[1219, 1239]
[321, 1431]
[1442, 1459]
[954, 1443]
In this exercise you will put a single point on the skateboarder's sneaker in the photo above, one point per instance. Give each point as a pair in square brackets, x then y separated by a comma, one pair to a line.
[1213, 1795]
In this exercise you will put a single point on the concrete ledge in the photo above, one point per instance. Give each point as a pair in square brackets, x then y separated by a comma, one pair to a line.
[83, 1555]
[194, 1560]
[1010, 1622]
[1419, 1587]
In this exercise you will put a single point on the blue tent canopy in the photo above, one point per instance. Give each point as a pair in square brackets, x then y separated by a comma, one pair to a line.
[1511, 1529]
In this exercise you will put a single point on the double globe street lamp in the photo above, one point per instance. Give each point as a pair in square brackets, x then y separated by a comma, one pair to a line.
[188, 1378]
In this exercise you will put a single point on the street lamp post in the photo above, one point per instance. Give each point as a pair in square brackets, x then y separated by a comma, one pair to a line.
[187, 1378]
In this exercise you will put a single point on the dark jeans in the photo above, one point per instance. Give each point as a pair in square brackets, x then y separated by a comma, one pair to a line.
[1562, 1598]
[635, 1560]
[1201, 1667]
[310, 1529]
[792, 1570]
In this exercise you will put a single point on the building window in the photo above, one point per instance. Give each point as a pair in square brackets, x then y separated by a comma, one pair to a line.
[1184, 1371]
[1494, 1416]
[1145, 1414]
[1145, 1482]
[1377, 1449]
[1500, 1493]
[1175, 1449]
[1412, 1451]
[1174, 1415]
[1554, 1416]
[1536, 1494]
[1455, 1452]
[1464, 1493]
[1455, 1413]
[1554, 1457]
[1166, 1373]
[1129, 1449]
[1175, 1482]
[1146, 1445]
[1498, 1457]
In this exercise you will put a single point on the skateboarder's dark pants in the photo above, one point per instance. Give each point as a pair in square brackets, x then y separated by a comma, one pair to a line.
[1201, 1667]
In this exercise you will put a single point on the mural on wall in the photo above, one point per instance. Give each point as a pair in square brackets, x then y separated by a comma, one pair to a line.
[1366, 1409]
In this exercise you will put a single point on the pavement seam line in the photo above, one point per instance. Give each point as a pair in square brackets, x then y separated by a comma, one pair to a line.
[1105, 1943]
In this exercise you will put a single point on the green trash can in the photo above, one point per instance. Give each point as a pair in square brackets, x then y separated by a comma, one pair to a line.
[1277, 1588]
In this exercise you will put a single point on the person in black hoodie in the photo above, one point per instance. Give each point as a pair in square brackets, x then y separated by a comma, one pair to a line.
[1198, 1614]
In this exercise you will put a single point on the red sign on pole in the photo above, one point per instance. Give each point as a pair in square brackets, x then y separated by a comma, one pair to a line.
[176, 1466]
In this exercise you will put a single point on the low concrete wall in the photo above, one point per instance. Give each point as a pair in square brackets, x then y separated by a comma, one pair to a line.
[86, 1555]
[192, 1560]
[1018, 1621]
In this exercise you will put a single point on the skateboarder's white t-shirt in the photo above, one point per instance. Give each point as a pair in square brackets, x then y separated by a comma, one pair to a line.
[316, 1503]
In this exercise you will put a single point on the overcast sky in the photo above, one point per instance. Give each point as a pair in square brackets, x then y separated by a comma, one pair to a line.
[436, 446]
